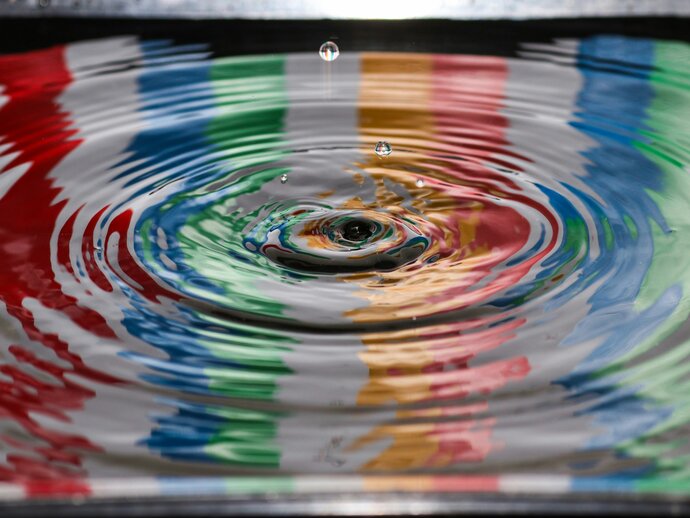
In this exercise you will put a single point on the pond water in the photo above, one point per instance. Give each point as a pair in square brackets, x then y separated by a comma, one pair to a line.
[212, 281]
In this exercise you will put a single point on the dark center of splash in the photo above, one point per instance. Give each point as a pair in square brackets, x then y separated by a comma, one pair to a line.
[317, 241]
[357, 230]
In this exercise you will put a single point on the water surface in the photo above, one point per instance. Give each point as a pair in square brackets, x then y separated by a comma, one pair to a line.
[207, 271]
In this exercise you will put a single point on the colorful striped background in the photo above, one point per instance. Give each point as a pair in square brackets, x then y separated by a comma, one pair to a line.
[54, 294]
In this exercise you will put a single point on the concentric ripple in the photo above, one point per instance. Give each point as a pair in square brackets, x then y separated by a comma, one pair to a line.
[208, 270]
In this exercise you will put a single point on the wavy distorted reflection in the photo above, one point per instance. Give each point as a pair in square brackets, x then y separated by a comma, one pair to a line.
[207, 269]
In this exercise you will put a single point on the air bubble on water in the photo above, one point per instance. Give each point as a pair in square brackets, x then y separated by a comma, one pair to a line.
[329, 51]
[420, 183]
[383, 148]
[283, 178]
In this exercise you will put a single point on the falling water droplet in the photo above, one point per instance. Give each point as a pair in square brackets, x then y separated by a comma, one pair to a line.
[383, 148]
[420, 183]
[329, 51]
[283, 178]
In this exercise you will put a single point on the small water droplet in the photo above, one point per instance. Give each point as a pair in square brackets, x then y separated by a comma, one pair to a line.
[420, 183]
[383, 148]
[283, 178]
[329, 51]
